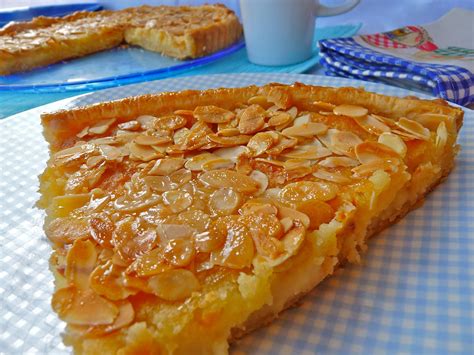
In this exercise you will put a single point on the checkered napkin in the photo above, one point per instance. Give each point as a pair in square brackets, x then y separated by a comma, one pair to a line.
[431, 57]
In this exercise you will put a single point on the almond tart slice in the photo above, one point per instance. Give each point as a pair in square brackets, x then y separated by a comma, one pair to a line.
[176, 31]
[181, 221]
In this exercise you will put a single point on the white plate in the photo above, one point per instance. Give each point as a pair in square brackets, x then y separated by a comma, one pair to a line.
[412, 294]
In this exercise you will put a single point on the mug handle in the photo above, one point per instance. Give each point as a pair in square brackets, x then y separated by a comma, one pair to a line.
[336, 10]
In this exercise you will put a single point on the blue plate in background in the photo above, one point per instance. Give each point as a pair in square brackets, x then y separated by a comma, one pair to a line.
[27, 13]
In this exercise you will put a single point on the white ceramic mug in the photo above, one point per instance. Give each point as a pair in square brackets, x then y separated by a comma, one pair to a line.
[281, 32]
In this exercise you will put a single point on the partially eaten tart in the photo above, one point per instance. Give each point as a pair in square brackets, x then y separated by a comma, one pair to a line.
[176, 31]
[181, 221]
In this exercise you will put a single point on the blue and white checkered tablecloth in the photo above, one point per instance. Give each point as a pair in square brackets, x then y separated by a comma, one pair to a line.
[345, 57]
[412, 294]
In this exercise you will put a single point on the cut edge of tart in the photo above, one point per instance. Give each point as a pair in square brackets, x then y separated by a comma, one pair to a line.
[177, 31]
[183, 220]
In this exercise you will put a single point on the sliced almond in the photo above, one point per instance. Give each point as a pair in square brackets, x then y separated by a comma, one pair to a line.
[179, 136]
[195, 163]
[261, 179]
[367, 169]
[130, 125]
[394, 142]
[213, 114]
[441, 136]
[292, 164]
[143, 139]
[228, 132]
[293, 112]
[372, 124]
[294, 215]
[168, 232]
[431, 120]
[252, 119]
[367, 152]
[177, 200]
[218, 163]
[323, 106]
[344, 142]
[166, 166]
[231, 153]
[261, 142]
[171, 122]
[179, 252]
[224, 201]
[292, 242]
[301, 120]
[259, 100]
[146, 121]
[102, 126]
[143, 153]
[308, 190]
[281, 118]
[174, 285]
[80, 263]
[336, 162]
[283, 144]
[229, 141]
[308, 151]
[159, 183]
[330, 176]
[350, 110]
[228, 178]
[306, 130]
[414, 128]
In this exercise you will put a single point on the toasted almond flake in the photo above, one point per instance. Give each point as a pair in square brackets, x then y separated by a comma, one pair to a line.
[230, 153]
[179, 252]
[106, 280]
[292, 242]
[84, 132]
[273, 193]
[196, 219]
[308, 151]
[308, 190]
[350, 110]
[293, 112]
[294, 215]
[124, 318]
[431, 120]
[251, 208]
[83, 307]
[102, 126]
[111, 153]
[146, 121]
[261, 179]
[178, 200]
[292, 164]
[286, 223]
[67, 203]
[323, 106]
[302, 120]
[367, 152]
[229, 141]
[224, 201]
[168, 232]
[166, 166]
[344, 141]
[159, 183]
[371, 124]
[394, 142]
[181, 177]
[261, 142]
[196, 163]
[271, 162]
[336, 162]
[305, 130]
[174, 285]
[330, 176]
[75, 153]
[370, 167]
[213, 114]
[143, 139]
[80, 263]
[441, 136]
[143, 153]
[414, 128]
[188, 114]
[281, 118]
[179, 136]
[259, 100]
[218, 163]
[228, 178]
[252, 119]
[283, 143]
[171, 122]
[228, 132]
[130, 125]
[136, 205]
[405, 135]
[93, 161]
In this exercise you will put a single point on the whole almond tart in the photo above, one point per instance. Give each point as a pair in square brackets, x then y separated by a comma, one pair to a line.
[176, 31]
[181, 221]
